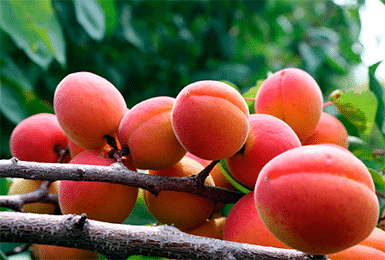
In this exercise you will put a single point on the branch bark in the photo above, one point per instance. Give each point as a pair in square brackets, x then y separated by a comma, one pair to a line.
[116, 241]
[115, 173]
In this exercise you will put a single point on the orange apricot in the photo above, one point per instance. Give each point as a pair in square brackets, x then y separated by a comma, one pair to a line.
[48, 252]
[99, 200]
[88, 107]
[376, 239]
[146, 130]
[210, 119]
[319, 199]
[329, 130]
[21, 186]
[182, 209]
[293, 96]
[358, 252]
[268, 137]
[38, 138]
[244, 225]
[211, 227]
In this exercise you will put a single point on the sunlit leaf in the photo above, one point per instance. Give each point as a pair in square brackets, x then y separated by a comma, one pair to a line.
[110, 12]
[379, 91]
[91, 16]
[358, 108]
[225, 171]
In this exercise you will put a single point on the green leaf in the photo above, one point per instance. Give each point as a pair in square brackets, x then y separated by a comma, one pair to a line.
[3, 256]
[24, 37]
[223, 167]
[358, 108]
[252, 93]
[111, 15]
[39, 19]
[140, 214]
[12, 104]
[91, 16]
[130, 33]
[26, 255]
[378, 90]
[379, 183]
[12, 73]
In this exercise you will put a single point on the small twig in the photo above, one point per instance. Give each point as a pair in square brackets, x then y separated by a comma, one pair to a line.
[62, 152]
[202, 176]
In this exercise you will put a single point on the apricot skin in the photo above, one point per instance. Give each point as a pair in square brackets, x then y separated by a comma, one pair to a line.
[244, 225]
[293, 96]
[358, 252]
[212, 227]
[36, 138]
[329, 130]
[21, 186]
[88, 107]
[268, 137]
[182, 209]
[147, 131]
[318, 199]
[210, 119]
[99, 200]
[48, 252]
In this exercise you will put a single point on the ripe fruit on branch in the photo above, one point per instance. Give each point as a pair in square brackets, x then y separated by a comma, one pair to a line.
[268, 137]
[146, 130]
[244, 225]
[88, 107]
[319, 199]
[21, 186]
[182, 209]
[293, 96]
[212, 227]
[210, 119]
[99, 200]
[38, 138]
[329, 130]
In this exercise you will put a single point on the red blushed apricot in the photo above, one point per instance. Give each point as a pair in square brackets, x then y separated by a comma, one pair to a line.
[99, 200]
[146, 130]
[212, 227]
[293, 96]
[21, 186]
[182, 209]
[319, 199]
[329, 130]
[358, 252]
[88, 107]
[244, 225]
[37, 138]
[210, 119]
[268, 137]
[48, 252]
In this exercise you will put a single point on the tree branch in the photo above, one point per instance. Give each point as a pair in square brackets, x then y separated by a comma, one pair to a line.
[115, 173]
[116, 241]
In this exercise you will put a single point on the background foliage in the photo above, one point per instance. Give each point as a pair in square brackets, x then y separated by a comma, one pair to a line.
[152, 48]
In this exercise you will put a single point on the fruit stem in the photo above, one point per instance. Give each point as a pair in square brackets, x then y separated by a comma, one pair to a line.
[201, 177]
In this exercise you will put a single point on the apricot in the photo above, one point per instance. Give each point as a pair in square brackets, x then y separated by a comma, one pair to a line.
[329, 130]
[210, 119]
[99, 200]
[268, 137]
[358, 252]
[21, 186]
[376, 239]
[293, 96]
[88, 107]
[37, 138]
[184, 210]
[244, 225]
[48, 252]
[212, 227]
[319, 199]
[147, 131]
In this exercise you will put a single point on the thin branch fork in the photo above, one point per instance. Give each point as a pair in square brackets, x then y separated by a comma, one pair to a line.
[119, 174]
[116, 241]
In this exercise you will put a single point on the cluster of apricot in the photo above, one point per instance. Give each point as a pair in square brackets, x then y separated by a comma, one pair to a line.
[308, 192]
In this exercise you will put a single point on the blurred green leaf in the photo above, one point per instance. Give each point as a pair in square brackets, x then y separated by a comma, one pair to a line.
[140, 215]
[379, 183]
[252, 93]
[3, 256]
[111, 15]
[359, 108]
[10, 72]
[130, 32]
[24, 37]
[26, 255]
[91, 16]
[360, 148]
[379, 91]
[38, 17]
[12, 104]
